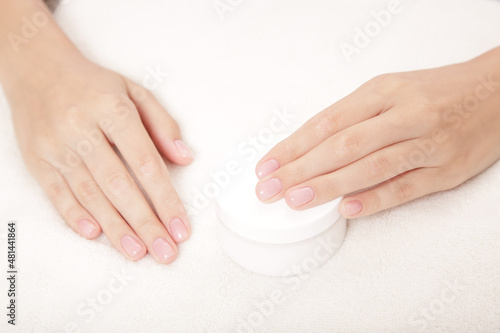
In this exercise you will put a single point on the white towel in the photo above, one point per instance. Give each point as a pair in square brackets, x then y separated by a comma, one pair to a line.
[429, 265]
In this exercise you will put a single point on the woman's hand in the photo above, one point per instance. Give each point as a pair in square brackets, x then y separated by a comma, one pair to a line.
[70, 118]
[396, 138]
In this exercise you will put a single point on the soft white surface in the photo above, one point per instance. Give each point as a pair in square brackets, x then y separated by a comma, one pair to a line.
[225, 79]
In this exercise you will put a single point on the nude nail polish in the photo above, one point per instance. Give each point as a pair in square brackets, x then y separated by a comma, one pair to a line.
[269, 188]
[86, 227]
[271, 238]
[163, 249]
[267, 167]
[353, 207]
[183, 149]
[178, 230]
[131, 245]
[300, 196]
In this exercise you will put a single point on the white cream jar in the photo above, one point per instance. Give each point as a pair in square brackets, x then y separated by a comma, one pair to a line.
[273, 239]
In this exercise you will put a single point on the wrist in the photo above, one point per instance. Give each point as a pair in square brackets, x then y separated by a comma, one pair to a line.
[33, 42]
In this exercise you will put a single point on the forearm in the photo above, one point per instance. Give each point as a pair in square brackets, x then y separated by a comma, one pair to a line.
[28, 37]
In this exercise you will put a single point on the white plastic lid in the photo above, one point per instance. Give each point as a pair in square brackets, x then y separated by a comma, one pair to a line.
[241, 212]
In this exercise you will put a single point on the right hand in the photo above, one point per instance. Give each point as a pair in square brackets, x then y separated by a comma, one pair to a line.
[69, 114]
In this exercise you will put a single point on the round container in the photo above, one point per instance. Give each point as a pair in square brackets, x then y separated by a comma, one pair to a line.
[272, 239]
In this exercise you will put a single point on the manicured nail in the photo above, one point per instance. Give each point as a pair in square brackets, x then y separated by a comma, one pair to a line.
[267, 167]
[300, 196]
[87, 227]
[131, 245]
[183, 149]
[269, 188]
[353, 207]
[178, 230]
[163, 249]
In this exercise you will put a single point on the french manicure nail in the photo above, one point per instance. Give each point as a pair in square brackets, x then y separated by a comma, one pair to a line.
[163, 249]
[183, 149]
[353, 207]
[301, 196]
[131, 245]
[178, 230]
[267, 167]
[86, 227]
[269, 188]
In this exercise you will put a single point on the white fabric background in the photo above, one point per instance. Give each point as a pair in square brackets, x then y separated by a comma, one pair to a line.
[226, 78]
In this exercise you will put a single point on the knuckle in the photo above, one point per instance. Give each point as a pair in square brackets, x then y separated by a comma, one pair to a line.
[88, 190]
[73, 117]
[326, 124]
[139, 93]
[118, 182]
[119, 105]
[384, 84]
[56, 189]
[346, 147]
[148, 166]
[119, 100]
[389, 84]
[405, 190]
[377, 168]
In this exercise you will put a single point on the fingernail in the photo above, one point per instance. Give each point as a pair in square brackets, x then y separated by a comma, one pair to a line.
[269, 188]
[267, 167]
[178, 230]
[86, 227]
[163, 249]
[300, 196]
[353, 207]
[131, 245]
[183, 149]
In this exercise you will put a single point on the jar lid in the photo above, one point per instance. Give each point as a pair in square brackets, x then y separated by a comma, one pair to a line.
[276, 223]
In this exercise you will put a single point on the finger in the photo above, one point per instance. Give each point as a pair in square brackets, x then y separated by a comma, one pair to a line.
[59, 193]
[121, 190]
[162, 128]
[89, 194]
[360, 105]
[344, 148]
[368, 171]
[396, 191]
[141, 155]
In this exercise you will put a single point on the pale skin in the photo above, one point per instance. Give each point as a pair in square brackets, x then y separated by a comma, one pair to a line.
[70, 115]
[396, 138]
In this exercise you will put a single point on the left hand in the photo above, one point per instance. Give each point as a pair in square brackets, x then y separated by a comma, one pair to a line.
[396, 138]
